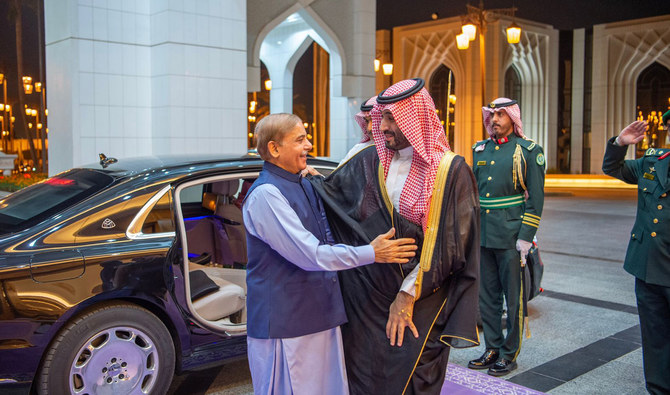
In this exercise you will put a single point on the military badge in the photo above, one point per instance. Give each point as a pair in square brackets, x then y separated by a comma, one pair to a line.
[540, 159]
[480, 148]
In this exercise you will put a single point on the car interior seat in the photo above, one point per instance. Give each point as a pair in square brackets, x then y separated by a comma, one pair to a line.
[212, 296]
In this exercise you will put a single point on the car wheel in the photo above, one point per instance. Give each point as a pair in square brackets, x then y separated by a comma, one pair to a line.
[113, 349]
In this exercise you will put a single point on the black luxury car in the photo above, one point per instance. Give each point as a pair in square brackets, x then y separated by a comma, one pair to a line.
[117, 275]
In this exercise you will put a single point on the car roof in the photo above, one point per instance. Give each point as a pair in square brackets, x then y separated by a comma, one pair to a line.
[126, 167]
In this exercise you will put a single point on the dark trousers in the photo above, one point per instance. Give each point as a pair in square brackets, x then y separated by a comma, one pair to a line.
[500, 275]
[653, 306]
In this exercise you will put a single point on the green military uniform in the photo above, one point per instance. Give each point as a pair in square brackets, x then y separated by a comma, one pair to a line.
[502, 169]
[648, 255]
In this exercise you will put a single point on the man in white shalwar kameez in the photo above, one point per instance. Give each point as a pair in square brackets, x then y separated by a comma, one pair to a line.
[293, 294]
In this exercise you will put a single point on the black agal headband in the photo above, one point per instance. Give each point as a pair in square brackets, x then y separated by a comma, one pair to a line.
[365, 107]
[504, 104]
[381, 99]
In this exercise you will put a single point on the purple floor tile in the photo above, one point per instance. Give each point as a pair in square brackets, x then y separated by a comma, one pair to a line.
[464, 381]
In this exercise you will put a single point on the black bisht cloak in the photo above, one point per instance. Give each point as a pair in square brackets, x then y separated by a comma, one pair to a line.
[358, 210]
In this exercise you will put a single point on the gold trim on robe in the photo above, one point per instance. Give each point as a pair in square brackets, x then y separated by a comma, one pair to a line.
[434, 214]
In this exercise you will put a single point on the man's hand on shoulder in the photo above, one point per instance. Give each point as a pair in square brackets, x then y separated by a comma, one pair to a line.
[311, 171]
[632, 134]
[400, 317]
[389, 250]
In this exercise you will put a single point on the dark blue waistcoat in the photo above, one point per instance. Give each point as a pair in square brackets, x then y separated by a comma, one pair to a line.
[284, 300]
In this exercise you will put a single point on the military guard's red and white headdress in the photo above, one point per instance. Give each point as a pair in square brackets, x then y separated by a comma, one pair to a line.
[414, 112]
[510, 107]
[360, 117]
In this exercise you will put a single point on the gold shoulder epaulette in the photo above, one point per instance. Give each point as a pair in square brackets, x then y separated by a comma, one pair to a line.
[656, 151]
[527, 144]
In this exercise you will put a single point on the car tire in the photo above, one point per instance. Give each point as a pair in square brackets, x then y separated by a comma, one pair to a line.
[117, 348]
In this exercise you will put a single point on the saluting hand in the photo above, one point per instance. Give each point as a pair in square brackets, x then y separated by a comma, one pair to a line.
[633, 133]
[393, 251]
[400, 317]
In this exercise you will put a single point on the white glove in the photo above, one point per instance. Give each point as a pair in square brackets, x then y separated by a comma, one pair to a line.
[523, 247]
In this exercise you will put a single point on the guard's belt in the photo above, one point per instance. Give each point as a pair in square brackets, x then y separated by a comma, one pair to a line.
[501, 202]
[381, 99]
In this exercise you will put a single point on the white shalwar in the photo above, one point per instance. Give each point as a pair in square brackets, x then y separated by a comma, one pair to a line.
[304, 365]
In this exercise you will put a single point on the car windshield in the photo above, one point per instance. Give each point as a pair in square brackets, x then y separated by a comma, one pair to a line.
[33, 204]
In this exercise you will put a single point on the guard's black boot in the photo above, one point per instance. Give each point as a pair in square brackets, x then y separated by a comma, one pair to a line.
[502, 367]
[485, 361]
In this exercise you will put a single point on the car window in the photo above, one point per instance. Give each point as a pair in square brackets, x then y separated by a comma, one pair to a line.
[112, 219]
[192, 194]
[194, 201]
[160, 219]
[34, 204]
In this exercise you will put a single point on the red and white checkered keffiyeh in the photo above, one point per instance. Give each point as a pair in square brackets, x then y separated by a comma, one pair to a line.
[513, 111]
[360, 119]
[418, 121]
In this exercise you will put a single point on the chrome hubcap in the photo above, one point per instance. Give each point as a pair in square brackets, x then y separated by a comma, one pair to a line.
[119, 360]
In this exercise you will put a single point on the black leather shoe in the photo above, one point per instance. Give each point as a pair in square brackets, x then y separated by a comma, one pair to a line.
[502, 367]
[486, 360]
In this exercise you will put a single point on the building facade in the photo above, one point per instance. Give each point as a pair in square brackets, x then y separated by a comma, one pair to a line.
[621, 52]
[423, 49]
[133, 78]
[611, 75]
[148, 77]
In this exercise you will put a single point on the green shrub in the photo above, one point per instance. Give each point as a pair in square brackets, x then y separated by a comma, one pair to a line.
[17, 181]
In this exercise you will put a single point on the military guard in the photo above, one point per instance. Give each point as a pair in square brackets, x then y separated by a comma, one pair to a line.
[509, 169]
[648, 255]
